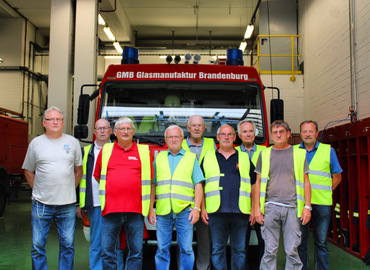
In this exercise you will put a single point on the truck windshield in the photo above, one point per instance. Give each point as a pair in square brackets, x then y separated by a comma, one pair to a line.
[153, 106]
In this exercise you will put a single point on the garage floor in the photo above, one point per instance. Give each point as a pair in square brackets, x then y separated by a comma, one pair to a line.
[15, 244]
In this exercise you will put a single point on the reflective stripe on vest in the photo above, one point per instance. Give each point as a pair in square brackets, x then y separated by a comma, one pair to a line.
[145, 175]
[256, 154]
[174, 192]
[83, 179]
[208, 145]
[299, 156]
[212, 187]
[320, 176]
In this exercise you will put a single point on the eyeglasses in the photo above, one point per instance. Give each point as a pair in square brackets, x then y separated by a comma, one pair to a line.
[223, 135]
[125, 129]
[278, 132]
[174, 137]
[102, 128]
[54, 119]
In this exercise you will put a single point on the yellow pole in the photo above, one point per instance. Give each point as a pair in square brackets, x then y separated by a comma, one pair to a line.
[292, 49]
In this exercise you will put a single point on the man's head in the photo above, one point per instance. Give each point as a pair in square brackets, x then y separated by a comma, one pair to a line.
[309, 131]
[196, 127]
[53, 121]
[226, 137]
[173, 137]
[280, 132]
[102, 130]
[246, 132]
[124, 130]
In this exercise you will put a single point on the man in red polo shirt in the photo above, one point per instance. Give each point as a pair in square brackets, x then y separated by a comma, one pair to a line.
[124, 172]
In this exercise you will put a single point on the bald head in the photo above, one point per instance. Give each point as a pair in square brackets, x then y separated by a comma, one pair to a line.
[196, 128]
[102, 131]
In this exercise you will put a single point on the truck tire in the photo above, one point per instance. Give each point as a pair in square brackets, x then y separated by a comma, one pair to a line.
[4, 189]
[3, 196]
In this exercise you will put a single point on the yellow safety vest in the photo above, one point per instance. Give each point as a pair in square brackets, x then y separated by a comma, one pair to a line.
[256, 154]
[208, 145]
[299, 156]
[320, 176]
[145, 175]
[175, 191]
[212, 187]
[83, 179]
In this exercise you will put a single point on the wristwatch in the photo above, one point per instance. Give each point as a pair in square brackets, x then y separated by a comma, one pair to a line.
[308, 207]
[197, 208]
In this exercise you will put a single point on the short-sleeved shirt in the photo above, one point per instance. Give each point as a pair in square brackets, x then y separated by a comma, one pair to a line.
[335, 167]
[123, 184]
[281, 188]
[53, 161]
[230, 182]
[174, 160]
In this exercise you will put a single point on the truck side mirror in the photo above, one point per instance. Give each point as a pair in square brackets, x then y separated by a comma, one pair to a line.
[81, 132]
[83, 109]
[276, 110]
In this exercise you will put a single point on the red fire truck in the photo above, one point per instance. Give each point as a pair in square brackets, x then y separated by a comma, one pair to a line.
[13, 148]
[155, 96]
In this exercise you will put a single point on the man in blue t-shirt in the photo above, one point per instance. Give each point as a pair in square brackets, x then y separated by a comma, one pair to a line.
[325, 176]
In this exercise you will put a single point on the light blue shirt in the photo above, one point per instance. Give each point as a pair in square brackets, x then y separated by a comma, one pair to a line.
[251, 153]
[174, 160]
[334, 163]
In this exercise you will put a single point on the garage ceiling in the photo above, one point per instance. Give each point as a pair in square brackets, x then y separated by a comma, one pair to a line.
[152, 25]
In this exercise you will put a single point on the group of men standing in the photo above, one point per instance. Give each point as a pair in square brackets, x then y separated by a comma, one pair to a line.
[223, 192]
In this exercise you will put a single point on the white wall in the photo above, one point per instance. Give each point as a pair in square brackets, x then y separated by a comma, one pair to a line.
[293, 95]
[16, 87]
[11, 52]
[325, 46]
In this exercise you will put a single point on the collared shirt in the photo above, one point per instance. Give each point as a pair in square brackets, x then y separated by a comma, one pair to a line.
[230, 182]
[250, 153]
[123, 186]
[174, 160]
[335, 167]
[196, 149]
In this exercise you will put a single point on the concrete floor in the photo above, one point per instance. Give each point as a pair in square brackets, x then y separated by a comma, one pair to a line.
[15, 244]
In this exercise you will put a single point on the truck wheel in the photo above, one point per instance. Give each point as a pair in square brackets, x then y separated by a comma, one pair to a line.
[2, 200]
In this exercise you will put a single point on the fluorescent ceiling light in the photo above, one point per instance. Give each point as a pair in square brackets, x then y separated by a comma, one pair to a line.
[101, 20]
[249, 31]
[242, 46]
[118, 47]
[109, 33]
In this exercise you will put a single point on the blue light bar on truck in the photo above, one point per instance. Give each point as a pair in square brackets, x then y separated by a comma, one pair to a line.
[130, 56]
[234, 57]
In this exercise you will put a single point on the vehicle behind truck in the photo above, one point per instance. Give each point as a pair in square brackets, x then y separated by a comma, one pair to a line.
[13, 148]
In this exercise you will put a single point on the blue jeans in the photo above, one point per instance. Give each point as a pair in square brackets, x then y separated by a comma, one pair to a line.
[110, 231]
[95, 218]
[65, 221]
[320, 218]
[222, 226]
[184, 231]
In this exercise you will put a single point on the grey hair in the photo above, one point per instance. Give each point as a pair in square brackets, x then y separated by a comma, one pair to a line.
[225, 125]
[246, 121]
[172, 127]
[53, 108]
[124, 120]
[193, 116]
